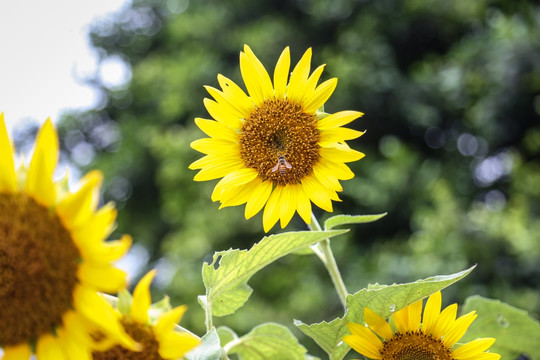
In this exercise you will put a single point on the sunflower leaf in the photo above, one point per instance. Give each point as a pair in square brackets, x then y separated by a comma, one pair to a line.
[505, 323]
[338, 220]
[226, 277]
[209, 349]
[267, 342]
[383, 299]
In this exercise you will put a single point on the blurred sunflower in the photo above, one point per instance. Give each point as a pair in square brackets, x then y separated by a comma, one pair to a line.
[158, 338]
[428, 338]
[272, 148]
[53, 258]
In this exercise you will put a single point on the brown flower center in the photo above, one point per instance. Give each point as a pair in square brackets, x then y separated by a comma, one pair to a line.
[280, 141]
[415, 346]
[143, 334]
[38, 269]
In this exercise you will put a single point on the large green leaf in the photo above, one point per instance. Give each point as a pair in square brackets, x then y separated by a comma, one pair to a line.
[383, 299]
[516, 332]
[226, 277]
[338, 220]
[209, 349]
[267, 342]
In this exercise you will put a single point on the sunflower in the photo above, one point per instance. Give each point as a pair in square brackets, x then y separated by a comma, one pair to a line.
[53, 260]
[432, 337]
[159, 339]
[272, 148]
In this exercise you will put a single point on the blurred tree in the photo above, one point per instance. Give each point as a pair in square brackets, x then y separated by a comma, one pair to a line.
[451, 92]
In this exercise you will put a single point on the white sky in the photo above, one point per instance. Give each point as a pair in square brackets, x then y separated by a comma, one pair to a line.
[44, 48]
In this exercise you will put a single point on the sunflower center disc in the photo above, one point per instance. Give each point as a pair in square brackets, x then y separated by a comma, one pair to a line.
[38, 269]
[142, 334]
[415, 346]
[280, 141]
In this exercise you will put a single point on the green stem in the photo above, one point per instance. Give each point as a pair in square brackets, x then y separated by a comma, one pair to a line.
[324, 252]
[208, 313]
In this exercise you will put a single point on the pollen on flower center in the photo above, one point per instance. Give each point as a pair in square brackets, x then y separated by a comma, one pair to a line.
[38, 267]
[415, 345]
[280, 141]
[141, 333]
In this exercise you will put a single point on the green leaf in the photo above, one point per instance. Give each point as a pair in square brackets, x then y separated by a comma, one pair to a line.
[209, 349]
[124, 302]
[338, 220]
[383, 299]
[226, 334]
[516, 332]
[267, 342]
[226, 277]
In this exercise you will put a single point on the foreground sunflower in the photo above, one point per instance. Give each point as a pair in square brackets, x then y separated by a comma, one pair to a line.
[53, 260]
[158, 338]
[272, 148]
[432, 337]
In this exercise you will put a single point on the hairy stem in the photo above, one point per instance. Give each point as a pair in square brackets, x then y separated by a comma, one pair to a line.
[324, 252]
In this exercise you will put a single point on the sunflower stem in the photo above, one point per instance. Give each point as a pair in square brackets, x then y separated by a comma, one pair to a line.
[324, 252]
[208, 314]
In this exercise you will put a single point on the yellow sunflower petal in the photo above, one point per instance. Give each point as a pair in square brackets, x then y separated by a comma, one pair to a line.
[235, 178]
[459, 328]
[258, 198]
[415, 315]
[236, 195]
[339, 170]
[299, 76]
[167, 321]
[218, 166]
[401, 319]
[303, 205]
[96, 229]
[321, 94]
[214, 146]
[445, 320]
[225, 104]
[338, 119]
[77, 328]
[71, 348]
[288, 205]
[77, 207]
[272, 209]
[103, 277]
[473, 348]
[17, 352]
[339, 134]
[217, 130]
[281, 73]
[8, 180]
[258, 81]
[311, 84]
[95, 309]
[317, 193]
[326, 177]
[221, 113]
[175, 344]
[484, 356]
[363, 341]
[105, 252]
[141, 298]
[431, 312]
[377, 324]
[48, 348]
[39, 182]
[341, 153]
[235, 94]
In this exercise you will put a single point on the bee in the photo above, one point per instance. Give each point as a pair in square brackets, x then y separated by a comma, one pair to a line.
[282, 165]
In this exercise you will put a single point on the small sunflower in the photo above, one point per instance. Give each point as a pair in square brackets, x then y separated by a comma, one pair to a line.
[53, 258]
[272, 148]
[159, 339]
[432, 337]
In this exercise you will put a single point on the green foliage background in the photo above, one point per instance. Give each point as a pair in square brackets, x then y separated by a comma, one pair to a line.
[451, 93]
